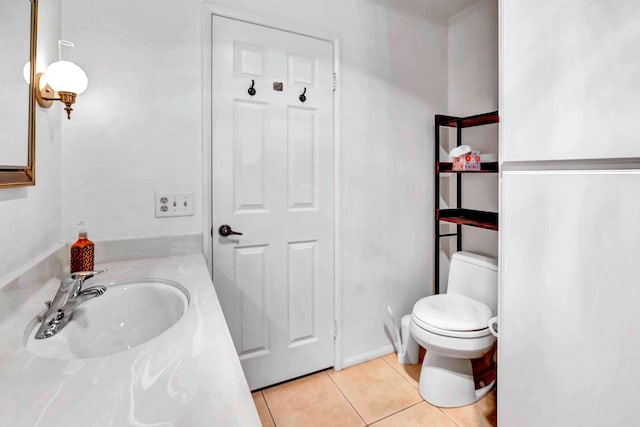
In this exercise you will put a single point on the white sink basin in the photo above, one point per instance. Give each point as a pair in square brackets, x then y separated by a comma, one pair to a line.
[127, 315]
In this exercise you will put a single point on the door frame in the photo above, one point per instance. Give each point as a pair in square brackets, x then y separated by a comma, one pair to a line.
[209, 10]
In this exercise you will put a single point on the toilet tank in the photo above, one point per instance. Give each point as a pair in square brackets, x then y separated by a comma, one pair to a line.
[475, 276]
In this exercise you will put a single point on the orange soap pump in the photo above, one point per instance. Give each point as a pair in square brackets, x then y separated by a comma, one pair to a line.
[82, 252]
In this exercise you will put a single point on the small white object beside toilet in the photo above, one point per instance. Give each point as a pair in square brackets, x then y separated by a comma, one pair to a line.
[453, 328]
[404, 344]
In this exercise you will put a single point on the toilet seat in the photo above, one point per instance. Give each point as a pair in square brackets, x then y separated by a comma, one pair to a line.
[453, 334]
[452, 315]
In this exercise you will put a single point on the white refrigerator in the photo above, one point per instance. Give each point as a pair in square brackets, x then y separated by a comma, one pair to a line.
[569, 345]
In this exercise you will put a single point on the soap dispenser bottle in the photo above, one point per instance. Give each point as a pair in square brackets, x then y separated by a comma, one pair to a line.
[82, 252]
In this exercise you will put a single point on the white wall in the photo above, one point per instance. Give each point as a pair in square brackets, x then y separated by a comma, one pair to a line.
[138, 129]
[30, 216]
[473, 89]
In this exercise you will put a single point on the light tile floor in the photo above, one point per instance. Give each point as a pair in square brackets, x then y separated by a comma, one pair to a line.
[381, 393]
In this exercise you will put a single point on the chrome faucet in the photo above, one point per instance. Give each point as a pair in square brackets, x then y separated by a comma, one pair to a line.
[69, 296]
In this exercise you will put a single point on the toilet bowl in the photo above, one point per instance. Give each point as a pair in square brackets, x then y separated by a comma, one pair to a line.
[452, 327]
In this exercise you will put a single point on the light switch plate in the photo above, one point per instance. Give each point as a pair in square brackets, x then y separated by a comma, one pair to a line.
[174, 204]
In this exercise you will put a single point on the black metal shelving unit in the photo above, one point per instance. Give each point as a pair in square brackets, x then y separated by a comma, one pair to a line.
[459, 215]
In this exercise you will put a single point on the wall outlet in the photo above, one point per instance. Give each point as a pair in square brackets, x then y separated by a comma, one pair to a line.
[174, 204]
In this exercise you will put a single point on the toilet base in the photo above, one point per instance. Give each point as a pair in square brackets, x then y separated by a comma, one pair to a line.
[448, 382]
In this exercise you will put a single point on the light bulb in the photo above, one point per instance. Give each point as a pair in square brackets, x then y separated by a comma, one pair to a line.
[26, 72]
[65, 76]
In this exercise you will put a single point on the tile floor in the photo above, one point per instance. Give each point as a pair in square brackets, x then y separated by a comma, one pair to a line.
[381, 393]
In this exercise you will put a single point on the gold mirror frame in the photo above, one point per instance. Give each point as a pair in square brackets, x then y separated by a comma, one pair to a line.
[19, 176]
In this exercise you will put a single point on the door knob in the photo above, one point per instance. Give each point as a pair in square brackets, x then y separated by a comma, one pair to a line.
[225, 231]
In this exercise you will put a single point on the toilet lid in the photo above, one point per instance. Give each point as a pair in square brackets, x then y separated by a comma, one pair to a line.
[452, 312]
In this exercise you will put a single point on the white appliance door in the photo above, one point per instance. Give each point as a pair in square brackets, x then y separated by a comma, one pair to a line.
[569, 346]
[273, 181]
[569, 85]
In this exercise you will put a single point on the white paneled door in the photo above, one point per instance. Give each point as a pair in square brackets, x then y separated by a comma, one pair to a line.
[273, 181]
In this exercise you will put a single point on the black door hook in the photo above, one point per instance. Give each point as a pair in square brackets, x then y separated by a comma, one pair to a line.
[302, 97]
[251, 90]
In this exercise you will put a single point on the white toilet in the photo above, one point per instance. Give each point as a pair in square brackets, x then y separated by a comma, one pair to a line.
[452, 327]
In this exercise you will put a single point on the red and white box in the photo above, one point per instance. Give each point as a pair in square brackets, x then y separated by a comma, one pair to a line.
[467, 162]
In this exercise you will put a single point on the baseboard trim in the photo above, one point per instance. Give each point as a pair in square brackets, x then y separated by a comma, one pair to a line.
[369, 355]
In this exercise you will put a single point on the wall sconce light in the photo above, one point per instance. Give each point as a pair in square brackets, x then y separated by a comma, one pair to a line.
[62, 77]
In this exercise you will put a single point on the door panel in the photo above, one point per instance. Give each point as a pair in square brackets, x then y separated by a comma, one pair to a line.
[273, 181]
[301, 281]
[248, 155]
[302, 70]
[249, 60]
[303, 157]
[250, 272]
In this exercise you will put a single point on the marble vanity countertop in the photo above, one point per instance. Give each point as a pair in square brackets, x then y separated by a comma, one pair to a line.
[189, 376]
